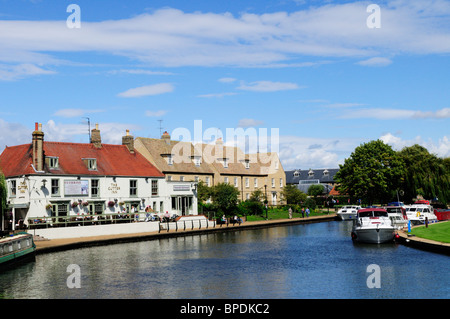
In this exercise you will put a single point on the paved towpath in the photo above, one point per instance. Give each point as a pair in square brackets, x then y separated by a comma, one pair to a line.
[44, 246]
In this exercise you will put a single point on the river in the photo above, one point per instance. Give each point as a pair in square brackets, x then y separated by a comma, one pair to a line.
[317, 261]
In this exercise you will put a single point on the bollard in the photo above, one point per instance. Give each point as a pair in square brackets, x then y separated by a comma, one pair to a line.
[426, 222]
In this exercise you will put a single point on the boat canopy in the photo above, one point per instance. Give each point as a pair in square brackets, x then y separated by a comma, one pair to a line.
[372, 212]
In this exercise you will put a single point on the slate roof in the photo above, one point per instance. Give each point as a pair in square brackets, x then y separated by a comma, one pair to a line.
[317, 174]
[112, 160]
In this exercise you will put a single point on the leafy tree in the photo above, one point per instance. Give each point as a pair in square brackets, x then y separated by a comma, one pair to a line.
[203, 192]
[373, 172]
[315, 190]
[257, 195]
[425, 174]
[225, 198]
[292, 195]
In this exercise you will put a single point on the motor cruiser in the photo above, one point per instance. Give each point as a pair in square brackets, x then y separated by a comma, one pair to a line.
[398, 216]
[420, 212]
[348, 212]
[373, 225]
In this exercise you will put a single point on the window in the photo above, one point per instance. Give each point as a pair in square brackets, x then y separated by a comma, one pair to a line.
[55, 187]
[154, 188]
[197, 160]
[13, 188]
[273, 182]
[277, 164]
[52, 162]
[169, 178]
[91, 163]
[296, 174]
[247, 164]
[247, 196]
[247, 182]
[208, 181]
[95, 188]
[225, 162]
[256, 183]
[226, 180]
[281, 182]
[133, 187]
[196, 179]
[170, 160]
[236, 182]
[181, 178]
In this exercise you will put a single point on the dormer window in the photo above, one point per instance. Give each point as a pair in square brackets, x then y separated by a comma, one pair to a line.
[225, 162]
[296, 174]
[326, 173]
[170, 160]
[247, 164]
[310, 173]
[52, 162]
[91, 163]
[197, 160]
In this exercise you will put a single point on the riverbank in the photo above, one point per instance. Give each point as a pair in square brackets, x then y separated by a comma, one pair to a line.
[411, 240]
[52, 245]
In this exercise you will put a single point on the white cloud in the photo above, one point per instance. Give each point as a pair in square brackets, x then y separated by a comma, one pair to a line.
[20, 71]
[219, 95]
[170, 37]
[154, 89]
[391, 114]
[227, 80]
[441, 148]
[75, 112]
[267, 86]
[376, 61]
[245, 123]
[155, 113]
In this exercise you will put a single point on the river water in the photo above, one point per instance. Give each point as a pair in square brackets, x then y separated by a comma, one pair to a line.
[297, 261]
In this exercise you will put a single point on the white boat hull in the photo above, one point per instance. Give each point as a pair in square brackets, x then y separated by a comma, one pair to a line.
[347, 216]
[374, 235]
[421, 220]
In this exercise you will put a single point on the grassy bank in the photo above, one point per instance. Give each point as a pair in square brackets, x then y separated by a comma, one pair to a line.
[274, 214]
[438, 232]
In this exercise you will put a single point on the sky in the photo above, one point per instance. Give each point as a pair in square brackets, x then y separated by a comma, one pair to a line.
[311, 80]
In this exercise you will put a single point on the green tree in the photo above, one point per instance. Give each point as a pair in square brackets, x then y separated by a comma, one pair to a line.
[425, 174]
[292, 195]
[315, 190]
[203, 191]
[372, 172]
[225, 198]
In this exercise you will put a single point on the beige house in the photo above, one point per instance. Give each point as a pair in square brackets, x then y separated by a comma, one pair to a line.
[214, 164]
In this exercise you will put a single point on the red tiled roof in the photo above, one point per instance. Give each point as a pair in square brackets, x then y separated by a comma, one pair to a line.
[112, 160]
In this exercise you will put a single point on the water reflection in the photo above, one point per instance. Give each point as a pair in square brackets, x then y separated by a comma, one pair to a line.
[299, 261]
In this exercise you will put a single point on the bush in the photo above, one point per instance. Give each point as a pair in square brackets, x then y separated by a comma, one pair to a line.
[250, 207]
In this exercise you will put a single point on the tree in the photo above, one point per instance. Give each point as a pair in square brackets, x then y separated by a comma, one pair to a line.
[315, 190]
[372, 172]
[225, 198]
[425, 174]
[292, 195]
[203, 192]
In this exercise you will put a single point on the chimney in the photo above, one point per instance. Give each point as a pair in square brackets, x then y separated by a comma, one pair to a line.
[38, 147]
[166, 137]
[95, 137]
[128, 141]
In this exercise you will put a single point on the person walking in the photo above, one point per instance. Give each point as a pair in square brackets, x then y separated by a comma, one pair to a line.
[303, 212]
[307, 212]
[290, 213]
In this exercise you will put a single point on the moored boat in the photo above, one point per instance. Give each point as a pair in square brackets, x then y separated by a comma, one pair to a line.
[373, 225]
[16, 248]
[348, 212]
[398, 216]
[420, 212]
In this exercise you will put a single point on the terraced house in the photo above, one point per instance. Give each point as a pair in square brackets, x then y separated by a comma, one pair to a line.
[63, 180]
[216, 163]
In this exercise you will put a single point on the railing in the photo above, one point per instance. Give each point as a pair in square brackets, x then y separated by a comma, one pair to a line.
[198, 224]
[83, 220]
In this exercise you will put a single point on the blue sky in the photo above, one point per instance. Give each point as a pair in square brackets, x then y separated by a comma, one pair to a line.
[316, 71]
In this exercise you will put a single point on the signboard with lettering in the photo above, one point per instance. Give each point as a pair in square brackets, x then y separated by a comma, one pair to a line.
[76, 188]
[181, 188]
